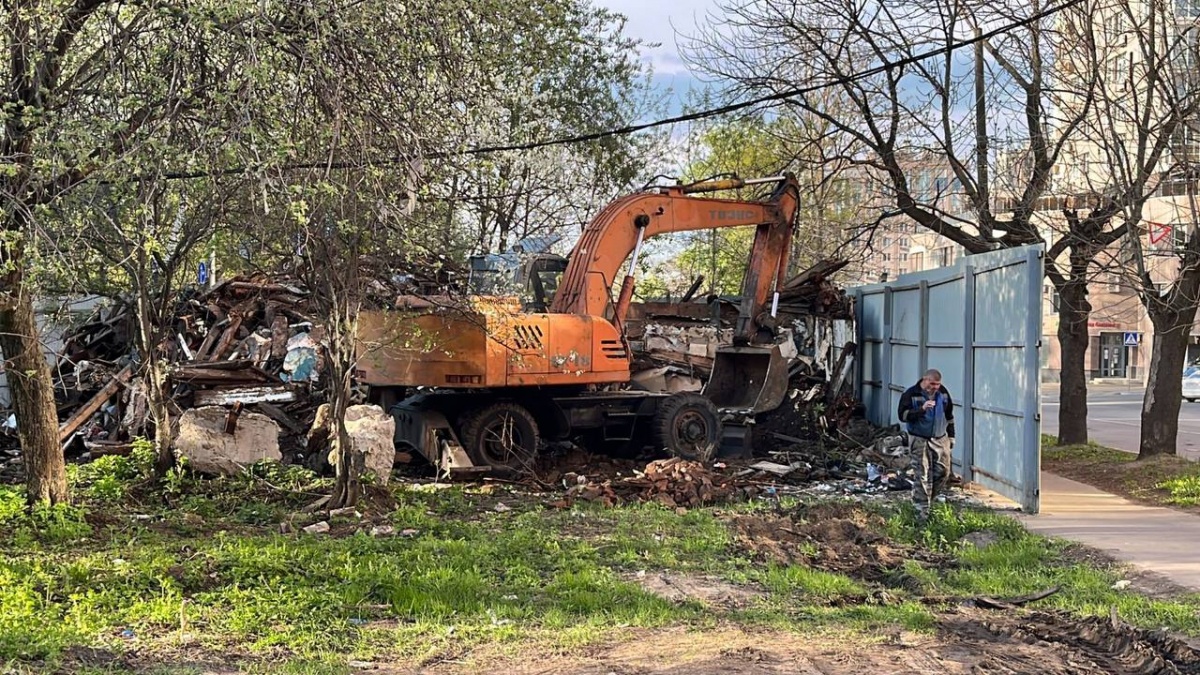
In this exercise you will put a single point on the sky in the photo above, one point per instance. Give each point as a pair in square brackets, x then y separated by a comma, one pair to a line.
[661, 21]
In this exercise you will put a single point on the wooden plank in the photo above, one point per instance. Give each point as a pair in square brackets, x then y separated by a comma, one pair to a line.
[276, 413]
[820, 270]
[85, 412]
[209, 341]
[246, 395]
[227, 339]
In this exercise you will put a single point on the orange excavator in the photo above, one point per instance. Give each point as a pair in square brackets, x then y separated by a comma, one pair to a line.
[485, 380]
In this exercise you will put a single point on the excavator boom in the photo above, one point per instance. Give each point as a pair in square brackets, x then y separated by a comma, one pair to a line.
[608, 241]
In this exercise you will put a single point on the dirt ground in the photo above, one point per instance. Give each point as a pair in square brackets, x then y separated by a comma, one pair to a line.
[966, 641]
[834, 537]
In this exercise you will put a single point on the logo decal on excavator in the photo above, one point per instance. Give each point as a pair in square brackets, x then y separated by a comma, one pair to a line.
[730, 215]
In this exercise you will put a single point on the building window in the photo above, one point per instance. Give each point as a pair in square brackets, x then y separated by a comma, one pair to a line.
[903, 271]
[887, 257]
[1114, 283]
[918, 261]
[1055, 300]
[903, 257]
[887, 241]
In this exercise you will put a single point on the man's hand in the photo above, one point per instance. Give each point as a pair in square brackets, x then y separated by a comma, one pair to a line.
[929, 405]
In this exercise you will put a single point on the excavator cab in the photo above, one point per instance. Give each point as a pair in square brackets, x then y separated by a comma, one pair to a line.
[527, 271]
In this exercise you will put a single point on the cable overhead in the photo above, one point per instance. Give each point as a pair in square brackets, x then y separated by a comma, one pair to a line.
[634, 128]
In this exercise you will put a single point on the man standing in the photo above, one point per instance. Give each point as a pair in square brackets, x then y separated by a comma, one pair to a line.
[928, 412]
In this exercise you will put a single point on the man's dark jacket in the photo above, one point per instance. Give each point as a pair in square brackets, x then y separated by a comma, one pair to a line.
[934, 423]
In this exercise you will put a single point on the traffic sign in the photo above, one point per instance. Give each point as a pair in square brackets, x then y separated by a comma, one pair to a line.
[202, 274]
[1131, 339]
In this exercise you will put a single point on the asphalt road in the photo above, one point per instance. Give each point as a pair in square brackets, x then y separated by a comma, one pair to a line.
[1114, 419]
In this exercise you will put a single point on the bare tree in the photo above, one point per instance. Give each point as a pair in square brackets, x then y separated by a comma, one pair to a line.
[1144, 136]
[990, 122]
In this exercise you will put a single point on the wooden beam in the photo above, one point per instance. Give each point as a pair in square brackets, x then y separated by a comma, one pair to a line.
[88, 409]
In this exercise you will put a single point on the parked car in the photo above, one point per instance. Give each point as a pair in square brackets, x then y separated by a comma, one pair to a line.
[1191, 383]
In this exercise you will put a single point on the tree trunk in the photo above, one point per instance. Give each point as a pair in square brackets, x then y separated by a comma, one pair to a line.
[1164, 391]
[1074, 310]
[350, 465]
[33, 396]
[159, 402]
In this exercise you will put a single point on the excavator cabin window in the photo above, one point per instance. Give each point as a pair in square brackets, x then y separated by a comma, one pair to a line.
[533, 279]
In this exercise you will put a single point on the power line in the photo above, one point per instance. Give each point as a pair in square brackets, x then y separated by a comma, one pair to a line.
[643, 126]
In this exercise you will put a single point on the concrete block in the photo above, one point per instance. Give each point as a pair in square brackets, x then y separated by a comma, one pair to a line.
[372, 433]
[207, 448]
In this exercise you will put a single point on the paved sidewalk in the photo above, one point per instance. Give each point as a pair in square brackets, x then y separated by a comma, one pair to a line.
[1150, 538]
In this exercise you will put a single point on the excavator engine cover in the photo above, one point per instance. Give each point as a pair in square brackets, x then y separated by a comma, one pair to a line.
[748, 378]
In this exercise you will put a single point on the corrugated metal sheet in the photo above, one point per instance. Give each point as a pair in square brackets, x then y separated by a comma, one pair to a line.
[980, 323]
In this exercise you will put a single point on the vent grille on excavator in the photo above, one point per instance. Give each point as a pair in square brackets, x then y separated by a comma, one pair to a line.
[614, 349]
[528, 337]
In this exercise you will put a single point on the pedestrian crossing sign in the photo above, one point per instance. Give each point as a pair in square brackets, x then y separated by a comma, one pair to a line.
[1131, 339]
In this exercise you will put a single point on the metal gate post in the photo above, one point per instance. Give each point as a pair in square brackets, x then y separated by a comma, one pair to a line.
[860, 389]
[966, 431]
[886, 393]
[1032, 463]
[923, 330]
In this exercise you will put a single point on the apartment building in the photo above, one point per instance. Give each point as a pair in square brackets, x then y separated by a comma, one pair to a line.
[1120, 332]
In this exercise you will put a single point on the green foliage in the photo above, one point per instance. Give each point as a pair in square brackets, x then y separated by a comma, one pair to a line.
[1184, 490]
[108, 479]
[458, 573]
[24, 527]
[811, 584]
[753, 147]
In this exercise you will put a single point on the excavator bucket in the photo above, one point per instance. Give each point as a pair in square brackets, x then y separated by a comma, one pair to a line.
[748, 378]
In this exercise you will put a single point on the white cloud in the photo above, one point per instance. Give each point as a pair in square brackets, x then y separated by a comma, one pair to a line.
[663, 22]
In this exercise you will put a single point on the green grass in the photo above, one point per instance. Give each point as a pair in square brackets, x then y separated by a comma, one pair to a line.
[209, 572]
[1020, 563]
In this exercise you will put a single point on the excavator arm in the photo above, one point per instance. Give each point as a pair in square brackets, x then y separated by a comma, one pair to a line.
[619, 230]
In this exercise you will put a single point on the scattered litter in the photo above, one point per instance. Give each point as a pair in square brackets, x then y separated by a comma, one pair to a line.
[348, 511]
[773, 468]
[1122, 585]
[501, 507]
[383, 531]
[409, 533]
[671, 482]
[318, 528]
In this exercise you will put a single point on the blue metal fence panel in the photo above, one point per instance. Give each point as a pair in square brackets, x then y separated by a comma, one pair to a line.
[980, 323]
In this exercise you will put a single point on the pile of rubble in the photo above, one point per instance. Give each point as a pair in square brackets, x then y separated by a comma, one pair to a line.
[674, 344]
[675, 482]
[248, 341]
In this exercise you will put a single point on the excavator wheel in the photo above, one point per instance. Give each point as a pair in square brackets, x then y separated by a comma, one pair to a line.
[687, 425]
[500, 435]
